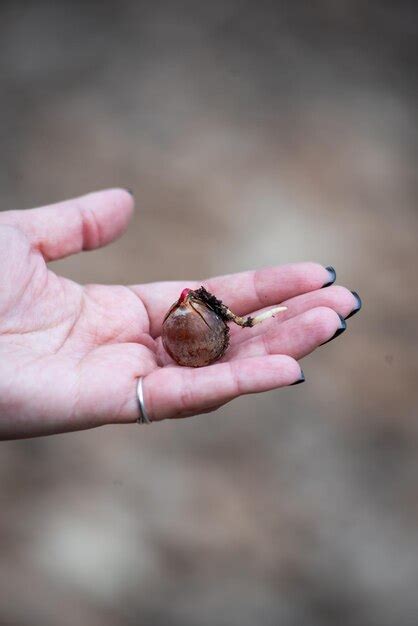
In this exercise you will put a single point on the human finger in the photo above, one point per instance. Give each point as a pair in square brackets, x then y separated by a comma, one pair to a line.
[242, 292]
[68, 227]
[340, 299]
[295, 337]
[179, 391]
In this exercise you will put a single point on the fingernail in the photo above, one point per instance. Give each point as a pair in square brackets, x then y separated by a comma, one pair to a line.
[358, 305]
[301, 379]
[338, 332]
[332, 276]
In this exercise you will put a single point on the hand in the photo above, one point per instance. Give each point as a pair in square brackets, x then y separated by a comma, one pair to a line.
[70, 355]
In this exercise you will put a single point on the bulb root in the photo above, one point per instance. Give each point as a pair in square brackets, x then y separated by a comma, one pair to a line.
[249, 322]
[228, 316]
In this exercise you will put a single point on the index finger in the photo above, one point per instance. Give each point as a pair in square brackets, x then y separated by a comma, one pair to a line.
[242, 293]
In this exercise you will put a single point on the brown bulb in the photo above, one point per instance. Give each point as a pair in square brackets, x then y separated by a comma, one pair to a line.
[194, 334]
[195, 331]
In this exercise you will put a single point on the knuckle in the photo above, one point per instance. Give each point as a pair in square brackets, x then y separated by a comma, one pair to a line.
[187, 395]
[90, 229]
[257, 286]
[238, 377]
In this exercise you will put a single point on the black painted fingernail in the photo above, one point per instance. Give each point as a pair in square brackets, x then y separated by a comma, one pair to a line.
[332, 276]
[301, 379]
[358, 305]
[339, 330]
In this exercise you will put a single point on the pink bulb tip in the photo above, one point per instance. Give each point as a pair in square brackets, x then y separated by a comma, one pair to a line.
[184, 294]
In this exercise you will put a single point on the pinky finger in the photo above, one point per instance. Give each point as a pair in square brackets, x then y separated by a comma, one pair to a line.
[179, 392]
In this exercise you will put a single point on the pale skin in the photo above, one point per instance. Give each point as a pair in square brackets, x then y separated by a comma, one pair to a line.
[70, 355]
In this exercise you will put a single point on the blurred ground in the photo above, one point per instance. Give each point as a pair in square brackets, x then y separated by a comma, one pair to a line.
[251, 134]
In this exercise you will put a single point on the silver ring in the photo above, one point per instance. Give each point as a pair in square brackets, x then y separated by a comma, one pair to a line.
[143, 417]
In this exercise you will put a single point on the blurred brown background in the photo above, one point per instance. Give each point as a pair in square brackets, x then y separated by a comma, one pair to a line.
[251, 134]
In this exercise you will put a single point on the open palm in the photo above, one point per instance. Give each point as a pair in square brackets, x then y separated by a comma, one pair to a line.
[70, 355]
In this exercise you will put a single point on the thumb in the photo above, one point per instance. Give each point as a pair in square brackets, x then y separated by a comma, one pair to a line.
[68, 227]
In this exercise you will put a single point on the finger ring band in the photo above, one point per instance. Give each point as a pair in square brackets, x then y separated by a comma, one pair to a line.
[143, 417]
